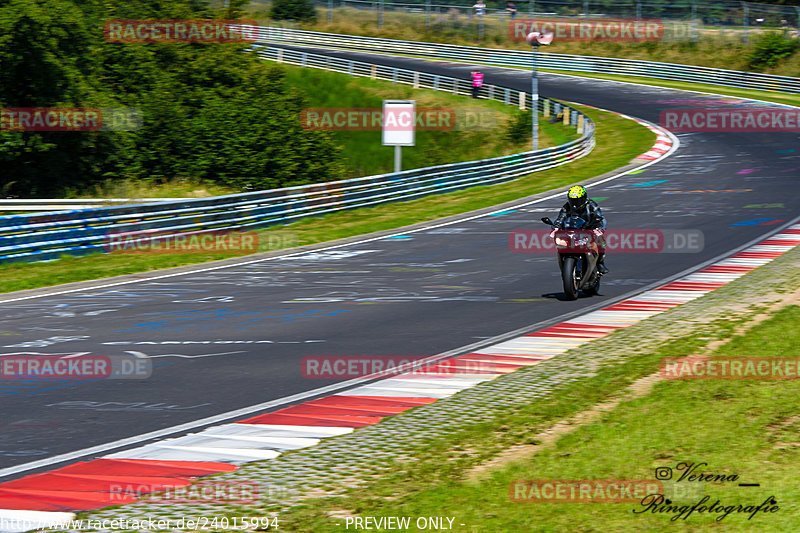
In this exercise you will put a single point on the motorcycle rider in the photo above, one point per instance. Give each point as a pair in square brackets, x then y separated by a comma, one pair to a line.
[579, 205]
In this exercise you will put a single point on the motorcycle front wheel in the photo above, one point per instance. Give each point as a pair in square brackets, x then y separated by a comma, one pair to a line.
[570, 277]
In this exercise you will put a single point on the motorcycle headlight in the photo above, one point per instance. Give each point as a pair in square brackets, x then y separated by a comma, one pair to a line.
[560, 241]
[582, 241]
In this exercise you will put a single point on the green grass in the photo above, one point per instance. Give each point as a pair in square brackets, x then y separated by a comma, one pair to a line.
[366, 156]
[128, 188]
[746, 428]
[618, 141]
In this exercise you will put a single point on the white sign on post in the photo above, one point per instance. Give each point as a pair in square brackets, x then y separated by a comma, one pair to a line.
[398, 122]
[398, 126]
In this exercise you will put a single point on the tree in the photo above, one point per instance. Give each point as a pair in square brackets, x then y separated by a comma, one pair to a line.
[45, 61]
[210, 111]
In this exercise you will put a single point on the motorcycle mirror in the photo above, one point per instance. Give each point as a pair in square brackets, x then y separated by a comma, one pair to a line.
[547, 220]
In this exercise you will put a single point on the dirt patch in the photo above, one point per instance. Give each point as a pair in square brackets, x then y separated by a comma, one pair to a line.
[548, 437]
[340, 514]
[786, 432]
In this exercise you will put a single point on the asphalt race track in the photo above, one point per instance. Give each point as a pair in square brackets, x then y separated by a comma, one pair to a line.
[225, 339]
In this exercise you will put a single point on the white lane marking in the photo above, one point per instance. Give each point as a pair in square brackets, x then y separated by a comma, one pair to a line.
[145, 356]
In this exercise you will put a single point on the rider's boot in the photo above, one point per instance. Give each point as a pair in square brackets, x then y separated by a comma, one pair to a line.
[601, 264]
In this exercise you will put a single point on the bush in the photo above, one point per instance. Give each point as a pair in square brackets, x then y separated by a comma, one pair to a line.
[769, 50]
[519, 128]
[301, 10]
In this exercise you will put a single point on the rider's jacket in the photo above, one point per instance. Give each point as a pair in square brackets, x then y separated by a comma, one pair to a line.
[590, 212]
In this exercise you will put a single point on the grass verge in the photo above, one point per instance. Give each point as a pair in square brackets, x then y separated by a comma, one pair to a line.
[483, 128]
[618, 141]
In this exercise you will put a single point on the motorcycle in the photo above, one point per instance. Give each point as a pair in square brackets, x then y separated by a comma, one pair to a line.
[578, 255]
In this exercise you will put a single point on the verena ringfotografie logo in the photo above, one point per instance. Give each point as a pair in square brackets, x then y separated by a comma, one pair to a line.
[766, 119]
[609, 30]
[202, 242]
[339, 367]
[179, 31]
[735, 368]
[395, 119]
[70, 119]
[78, 366]
[583, 491]
[614, 241]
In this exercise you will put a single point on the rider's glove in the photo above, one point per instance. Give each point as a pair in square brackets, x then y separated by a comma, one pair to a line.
[553, 234]
[598, 232]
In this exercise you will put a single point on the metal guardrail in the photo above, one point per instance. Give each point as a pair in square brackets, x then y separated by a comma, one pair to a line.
[48, 236]
[522, 58]
[425, 80]
[59, 204]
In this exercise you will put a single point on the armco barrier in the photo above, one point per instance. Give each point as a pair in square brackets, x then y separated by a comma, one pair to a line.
[60, 204]
[418, 80]
[47, 236]
[522, 58]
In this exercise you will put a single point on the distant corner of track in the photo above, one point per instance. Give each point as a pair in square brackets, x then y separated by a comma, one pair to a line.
[666, 142]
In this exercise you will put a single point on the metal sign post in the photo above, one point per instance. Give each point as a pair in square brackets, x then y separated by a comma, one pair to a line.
[536, 39]
[398, 126]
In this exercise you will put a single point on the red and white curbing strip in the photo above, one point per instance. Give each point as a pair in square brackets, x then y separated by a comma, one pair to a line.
[49, 498]
[662, 146]
[666, 142]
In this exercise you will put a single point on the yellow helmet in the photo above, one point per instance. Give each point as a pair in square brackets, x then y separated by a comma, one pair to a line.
[577, 196]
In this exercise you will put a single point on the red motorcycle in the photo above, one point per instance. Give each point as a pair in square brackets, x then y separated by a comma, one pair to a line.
[578, 253]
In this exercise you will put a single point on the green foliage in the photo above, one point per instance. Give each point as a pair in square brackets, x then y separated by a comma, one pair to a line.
[302, 10]
[519, 128]
[770, 49]
[210, 111]
[44, 61]
[234, 126]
